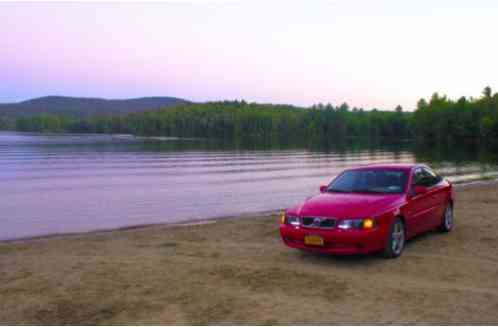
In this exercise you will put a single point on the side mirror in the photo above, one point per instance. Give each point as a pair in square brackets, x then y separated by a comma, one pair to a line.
[418, 190]
[323, 188]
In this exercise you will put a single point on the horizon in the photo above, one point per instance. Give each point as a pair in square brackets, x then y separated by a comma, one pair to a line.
[228, 100]
[369, 56]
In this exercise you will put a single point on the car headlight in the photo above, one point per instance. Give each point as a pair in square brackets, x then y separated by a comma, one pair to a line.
[292, 220]
[366, 223]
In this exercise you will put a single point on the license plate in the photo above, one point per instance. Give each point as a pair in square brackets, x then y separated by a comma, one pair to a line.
[313, 240]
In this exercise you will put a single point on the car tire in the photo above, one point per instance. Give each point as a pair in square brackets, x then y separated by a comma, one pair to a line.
[447, 221]
[396, 239]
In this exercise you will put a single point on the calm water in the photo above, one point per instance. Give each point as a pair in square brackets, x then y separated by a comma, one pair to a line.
[72, 183]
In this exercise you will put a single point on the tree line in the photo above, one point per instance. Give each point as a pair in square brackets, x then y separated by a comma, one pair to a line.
[438, 120]
[469, 120]
[236, 120]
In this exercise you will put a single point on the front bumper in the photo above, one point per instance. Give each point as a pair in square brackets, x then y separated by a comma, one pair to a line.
[335, 241]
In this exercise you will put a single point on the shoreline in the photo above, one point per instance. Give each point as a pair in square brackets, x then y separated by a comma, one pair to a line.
[197, 221]
[189, 222]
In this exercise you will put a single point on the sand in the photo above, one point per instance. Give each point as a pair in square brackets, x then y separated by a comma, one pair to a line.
[238, 271]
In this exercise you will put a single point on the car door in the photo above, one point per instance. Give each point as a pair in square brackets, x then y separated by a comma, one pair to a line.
[419, 206]
[432, 183]
[438, 195]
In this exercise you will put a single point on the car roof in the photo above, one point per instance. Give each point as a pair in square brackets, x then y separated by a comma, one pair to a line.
[397, 166]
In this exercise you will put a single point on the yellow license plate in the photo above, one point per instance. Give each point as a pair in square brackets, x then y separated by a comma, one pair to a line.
[313, 240]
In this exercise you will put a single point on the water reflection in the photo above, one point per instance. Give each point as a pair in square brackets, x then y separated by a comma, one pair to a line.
[72, 183]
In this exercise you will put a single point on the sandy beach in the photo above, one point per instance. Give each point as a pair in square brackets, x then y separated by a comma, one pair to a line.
[238, 271]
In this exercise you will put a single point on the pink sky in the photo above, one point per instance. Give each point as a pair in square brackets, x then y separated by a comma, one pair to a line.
[367, 53]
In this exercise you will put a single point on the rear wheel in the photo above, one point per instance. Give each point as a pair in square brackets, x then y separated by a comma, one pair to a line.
[447, 222]
[396, 239]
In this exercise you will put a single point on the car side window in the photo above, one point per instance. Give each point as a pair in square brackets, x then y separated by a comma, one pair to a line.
[417, 176]
[435, 178]
[425, 177]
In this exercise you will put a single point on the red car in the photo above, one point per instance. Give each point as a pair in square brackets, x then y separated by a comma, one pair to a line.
[374, 208]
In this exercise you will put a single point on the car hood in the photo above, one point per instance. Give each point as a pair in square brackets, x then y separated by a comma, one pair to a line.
[347, 205]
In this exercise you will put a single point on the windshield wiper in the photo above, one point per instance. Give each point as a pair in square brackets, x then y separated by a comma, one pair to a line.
[366, 190]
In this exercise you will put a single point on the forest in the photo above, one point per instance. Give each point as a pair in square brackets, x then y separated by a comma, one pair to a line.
[470, 120]
[236, 120]
[437, 120]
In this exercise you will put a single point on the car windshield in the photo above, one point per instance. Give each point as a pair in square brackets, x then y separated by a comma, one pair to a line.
[370, 181]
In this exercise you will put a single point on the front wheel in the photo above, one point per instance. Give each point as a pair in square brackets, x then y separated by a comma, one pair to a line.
[447, 223]
[396, 239]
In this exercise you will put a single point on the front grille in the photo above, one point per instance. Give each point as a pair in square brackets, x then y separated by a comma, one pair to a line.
[318, 222]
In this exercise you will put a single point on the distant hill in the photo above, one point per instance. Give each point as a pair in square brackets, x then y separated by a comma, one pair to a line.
[81, 107]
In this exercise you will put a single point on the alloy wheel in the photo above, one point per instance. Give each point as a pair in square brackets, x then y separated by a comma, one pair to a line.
[398, 238]
[448, 218]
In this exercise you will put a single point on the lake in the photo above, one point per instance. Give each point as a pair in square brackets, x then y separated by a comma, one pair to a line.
[53, 184]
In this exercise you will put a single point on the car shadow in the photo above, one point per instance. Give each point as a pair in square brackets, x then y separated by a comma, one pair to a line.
[342, 260]
[420, 237]
[414, 241]
[360, 259]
